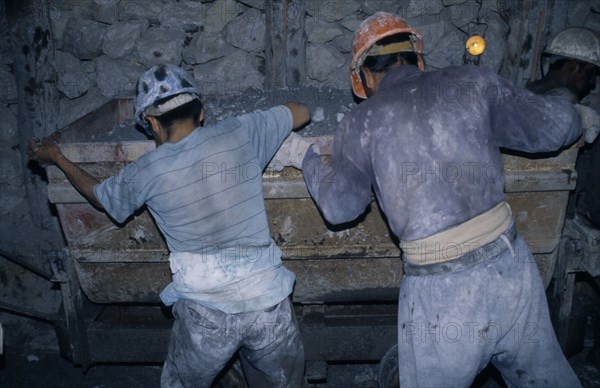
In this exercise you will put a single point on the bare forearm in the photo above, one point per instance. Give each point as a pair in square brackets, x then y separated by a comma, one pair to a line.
[79, 178]
[300, 114]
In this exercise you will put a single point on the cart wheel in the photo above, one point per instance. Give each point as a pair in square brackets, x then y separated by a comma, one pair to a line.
[387, 372]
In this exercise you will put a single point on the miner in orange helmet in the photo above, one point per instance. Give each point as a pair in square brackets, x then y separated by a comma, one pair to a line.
[383, 35]
[427, 144]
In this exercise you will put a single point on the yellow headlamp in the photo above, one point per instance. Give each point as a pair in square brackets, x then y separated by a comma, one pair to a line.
[475, 45]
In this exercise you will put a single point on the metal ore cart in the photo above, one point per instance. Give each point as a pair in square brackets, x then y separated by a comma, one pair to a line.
[347, 279]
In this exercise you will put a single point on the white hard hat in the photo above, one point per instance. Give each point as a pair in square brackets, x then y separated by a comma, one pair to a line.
[577, 43]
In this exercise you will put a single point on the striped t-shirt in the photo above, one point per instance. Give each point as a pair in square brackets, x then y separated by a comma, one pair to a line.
[205, 193]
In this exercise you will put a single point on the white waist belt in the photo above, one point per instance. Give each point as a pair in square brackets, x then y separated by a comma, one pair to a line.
[459, 240]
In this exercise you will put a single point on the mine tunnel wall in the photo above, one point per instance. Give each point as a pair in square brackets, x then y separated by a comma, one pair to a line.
[61, 59]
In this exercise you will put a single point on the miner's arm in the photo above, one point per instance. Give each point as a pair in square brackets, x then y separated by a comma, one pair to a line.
[342, 190]
[524, 121]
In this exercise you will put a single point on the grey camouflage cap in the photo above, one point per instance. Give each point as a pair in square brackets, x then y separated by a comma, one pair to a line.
[156, 86]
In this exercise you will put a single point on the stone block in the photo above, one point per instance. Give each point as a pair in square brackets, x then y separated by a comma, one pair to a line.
[593, 20]
[448, 51]
[58, 22]
[229, 75]
[120, 38]
[83, 38]
[140, 10]
[72, 79]
[117, 78]
[578, 12]
[187, 16]
[447, 3]
[496, 44]
[220, 13]
[258, 4]
[73, 9]
[322, 61]
[160, 45]
[105, 11]
[351, 22]
[206, 47]
[332, 10]
[371, 6]
[247, 31]
[465, 14]
[414, 8]
[343, 42]
[73, 86]
[432, 33]
[320, 31]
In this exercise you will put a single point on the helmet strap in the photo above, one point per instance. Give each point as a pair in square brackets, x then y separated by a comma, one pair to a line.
[391, 48]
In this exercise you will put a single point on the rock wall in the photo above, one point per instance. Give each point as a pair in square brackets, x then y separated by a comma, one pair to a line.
[103, 45]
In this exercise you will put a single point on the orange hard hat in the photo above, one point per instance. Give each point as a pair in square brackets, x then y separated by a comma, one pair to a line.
[373, 29]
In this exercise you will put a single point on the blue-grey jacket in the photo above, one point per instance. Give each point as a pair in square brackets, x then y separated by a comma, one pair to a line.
[428, 145]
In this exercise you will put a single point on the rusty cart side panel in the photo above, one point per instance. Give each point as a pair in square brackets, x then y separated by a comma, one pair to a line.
[539, 217]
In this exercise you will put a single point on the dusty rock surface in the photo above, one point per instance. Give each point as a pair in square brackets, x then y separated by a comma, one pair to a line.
[328, 107]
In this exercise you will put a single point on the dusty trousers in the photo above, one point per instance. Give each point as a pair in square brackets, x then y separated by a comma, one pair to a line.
[452, 324]
[203, 340]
